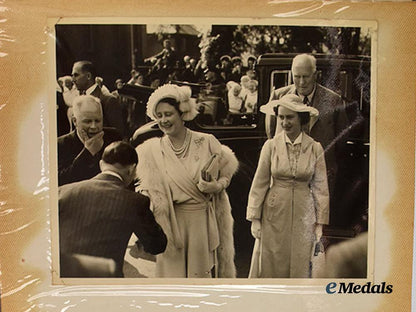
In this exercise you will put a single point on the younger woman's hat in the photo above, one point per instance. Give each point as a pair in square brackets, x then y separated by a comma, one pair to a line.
[290, 101]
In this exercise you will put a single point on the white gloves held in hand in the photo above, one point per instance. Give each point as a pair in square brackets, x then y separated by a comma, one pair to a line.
[256, 228]
[212, 187]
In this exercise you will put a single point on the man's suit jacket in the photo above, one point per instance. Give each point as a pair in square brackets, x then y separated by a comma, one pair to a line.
[331, 127]
[98, 216]
[75, 163]
[61, 116]
[112, 110]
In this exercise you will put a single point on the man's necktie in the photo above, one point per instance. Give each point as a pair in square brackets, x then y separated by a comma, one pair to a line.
[83, 92]
[306, 127]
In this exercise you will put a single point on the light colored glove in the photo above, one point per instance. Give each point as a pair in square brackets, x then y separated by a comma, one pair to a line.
[256, 228]
[212, 187]
[94, 144]
[318, 232]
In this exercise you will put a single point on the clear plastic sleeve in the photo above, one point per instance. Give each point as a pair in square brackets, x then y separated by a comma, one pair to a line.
[114, 36]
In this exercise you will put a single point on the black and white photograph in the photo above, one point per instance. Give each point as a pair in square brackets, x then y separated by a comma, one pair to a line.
[213, 150]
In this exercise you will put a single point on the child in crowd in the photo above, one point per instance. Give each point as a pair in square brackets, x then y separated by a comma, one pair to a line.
[251, 97]
[244, 85]
[235, 101]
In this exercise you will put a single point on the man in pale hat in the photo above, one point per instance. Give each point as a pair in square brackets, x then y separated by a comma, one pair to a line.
[331, 127]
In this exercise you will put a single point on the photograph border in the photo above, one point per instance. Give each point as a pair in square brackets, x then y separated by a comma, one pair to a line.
[25, 178]
[52, 22]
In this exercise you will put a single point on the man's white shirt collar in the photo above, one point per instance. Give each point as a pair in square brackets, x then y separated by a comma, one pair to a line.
[310, 96]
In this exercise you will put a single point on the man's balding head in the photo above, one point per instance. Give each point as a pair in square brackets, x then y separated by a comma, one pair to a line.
[86, 102]
[305, 60]
[88, 115]
[304, 73]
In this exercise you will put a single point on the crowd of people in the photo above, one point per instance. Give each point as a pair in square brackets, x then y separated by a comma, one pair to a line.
[171, 191]
[225, 91]
[228, 85]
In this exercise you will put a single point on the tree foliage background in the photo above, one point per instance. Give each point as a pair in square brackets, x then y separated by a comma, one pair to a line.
[246, 40]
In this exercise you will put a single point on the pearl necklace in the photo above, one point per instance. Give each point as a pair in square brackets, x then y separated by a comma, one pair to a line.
[182, 150]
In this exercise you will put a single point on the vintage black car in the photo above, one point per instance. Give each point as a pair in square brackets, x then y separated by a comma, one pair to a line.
[246, 134]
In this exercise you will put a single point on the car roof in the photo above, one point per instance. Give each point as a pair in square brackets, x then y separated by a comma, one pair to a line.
[321, 59]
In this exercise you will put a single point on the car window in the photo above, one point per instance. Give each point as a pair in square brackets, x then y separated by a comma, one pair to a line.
[219, 107]
[280, 78]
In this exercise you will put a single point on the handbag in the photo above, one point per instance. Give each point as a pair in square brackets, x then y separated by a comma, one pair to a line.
[318, 259]
[211, 169]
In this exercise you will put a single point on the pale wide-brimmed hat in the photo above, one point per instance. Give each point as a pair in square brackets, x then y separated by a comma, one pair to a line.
[182, 95]
[290, 101]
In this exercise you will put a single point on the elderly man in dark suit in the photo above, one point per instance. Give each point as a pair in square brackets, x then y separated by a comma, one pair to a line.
[84, 77]
[79, 151]
[98, 216]
[332, 125]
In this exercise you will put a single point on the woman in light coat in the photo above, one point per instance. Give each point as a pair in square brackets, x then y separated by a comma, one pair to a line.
[192, 207]
[288, 201]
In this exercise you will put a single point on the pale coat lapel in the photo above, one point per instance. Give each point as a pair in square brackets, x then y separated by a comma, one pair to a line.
[303, 161]
[281, 149]
[159, 159]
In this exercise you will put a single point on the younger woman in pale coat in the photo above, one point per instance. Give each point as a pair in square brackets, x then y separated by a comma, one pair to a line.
[288, 201]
